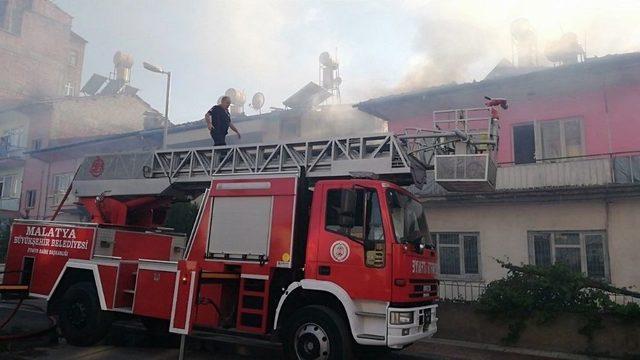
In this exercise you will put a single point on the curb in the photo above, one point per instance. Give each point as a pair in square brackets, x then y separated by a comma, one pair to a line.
[510, 349]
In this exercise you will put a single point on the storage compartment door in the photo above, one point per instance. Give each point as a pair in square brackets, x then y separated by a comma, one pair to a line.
[241, 227]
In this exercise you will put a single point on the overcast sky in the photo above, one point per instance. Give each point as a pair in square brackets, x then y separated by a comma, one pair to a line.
[272, 46]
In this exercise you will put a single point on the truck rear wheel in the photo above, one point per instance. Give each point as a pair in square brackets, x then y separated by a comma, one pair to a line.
[317, 332]
[82, 322]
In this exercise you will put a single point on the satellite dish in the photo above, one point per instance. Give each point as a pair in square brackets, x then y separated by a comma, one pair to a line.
[257, 101]
[325, 59]
[237, 97]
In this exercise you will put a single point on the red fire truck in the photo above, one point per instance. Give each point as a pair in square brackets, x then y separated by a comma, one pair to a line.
[312, 243]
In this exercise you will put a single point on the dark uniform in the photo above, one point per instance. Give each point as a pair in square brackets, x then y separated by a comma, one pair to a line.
[220, 120]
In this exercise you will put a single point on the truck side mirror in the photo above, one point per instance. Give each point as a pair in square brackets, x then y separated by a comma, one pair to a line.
[347, 210]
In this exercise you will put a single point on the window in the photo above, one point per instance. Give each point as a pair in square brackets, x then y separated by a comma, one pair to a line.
[12, 138]
[69, 89]
[524, 144]
[36, 144]
[60, 184]
[374, 228]
[365, 223]
[73, 58]
[3, 13]
[409, 222]
[31, 199]
[581, 251]
[458, 253]
[8, 186]
[560, 138]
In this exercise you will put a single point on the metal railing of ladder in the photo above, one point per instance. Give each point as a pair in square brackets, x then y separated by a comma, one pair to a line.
[382, 154]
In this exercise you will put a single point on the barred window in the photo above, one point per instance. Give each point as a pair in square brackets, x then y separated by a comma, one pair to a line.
[581, 251]
[458, 253]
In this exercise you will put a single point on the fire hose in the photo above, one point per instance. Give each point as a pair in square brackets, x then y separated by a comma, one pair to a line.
[30, 334]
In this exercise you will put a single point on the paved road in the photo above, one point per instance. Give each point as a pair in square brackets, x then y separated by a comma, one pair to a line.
[128, 340]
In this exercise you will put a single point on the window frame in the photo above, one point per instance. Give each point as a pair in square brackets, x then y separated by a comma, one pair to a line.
[5, 15]
[537, 128]
[73, 55]
[377, 248]
[11, 190]
[69, 89]
[58, 194]
[513, 141]
[582, 246]
[36, 144]
[31, 198]
[463, 273]
[362, 240]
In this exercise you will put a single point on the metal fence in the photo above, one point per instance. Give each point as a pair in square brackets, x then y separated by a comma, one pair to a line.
[460, 290]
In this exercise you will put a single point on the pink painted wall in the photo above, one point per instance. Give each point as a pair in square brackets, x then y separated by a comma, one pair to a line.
[613, 110]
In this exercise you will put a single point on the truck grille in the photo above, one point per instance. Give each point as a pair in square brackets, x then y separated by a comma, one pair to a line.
[423, 288]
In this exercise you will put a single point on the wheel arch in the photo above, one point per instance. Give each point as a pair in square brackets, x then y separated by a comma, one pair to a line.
[73, 273]
[315, 292]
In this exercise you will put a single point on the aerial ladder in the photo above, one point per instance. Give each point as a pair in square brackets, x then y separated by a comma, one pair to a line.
[460, 150]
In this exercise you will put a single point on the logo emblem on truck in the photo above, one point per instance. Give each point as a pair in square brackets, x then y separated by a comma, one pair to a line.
[340, 251]
[97, 167]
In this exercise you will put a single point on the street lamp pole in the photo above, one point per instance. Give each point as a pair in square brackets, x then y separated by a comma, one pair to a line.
[159, 70]
[166, 111]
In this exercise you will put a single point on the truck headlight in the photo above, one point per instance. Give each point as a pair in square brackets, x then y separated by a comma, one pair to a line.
[401, 317]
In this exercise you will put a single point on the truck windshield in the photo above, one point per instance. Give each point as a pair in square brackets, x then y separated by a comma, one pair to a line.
[409, 222]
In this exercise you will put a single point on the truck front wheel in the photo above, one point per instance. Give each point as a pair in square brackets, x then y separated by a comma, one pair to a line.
[82, 322]
[317, 332]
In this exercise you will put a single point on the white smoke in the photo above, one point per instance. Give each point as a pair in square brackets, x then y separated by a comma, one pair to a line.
[462, 40]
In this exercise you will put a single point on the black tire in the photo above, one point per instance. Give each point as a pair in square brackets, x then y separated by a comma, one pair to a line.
[317, 332]
[82, 322]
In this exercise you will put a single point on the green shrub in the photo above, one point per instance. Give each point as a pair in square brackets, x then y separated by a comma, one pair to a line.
[540, 294]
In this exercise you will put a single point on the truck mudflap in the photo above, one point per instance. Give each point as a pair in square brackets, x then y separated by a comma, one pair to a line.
[423, 324]
[184, 298]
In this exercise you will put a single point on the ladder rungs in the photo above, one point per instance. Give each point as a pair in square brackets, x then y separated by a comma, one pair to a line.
[251, 311]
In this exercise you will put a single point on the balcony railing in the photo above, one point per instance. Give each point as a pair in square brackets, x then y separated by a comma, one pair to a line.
[572, 172]
[603, 169]
[9, 204]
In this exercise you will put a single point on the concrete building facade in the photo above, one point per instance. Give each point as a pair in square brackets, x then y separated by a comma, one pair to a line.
[40, 56]
[568, 181]
[54, 122]
[284, 125]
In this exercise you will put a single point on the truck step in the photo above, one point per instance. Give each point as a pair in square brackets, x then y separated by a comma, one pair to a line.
[240, 338]
[124, 309]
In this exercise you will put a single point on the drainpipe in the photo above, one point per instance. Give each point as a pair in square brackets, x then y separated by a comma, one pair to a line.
[606, 113]
[605, 245]
[46, 191]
